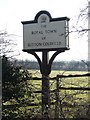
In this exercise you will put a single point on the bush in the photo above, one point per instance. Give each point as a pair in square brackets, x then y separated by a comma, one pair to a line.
[14, 89]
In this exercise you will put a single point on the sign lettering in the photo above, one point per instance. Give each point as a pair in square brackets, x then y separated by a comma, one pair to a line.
[46, 33]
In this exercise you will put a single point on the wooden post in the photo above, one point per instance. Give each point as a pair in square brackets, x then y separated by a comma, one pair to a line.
[45, 85]
[57, 98]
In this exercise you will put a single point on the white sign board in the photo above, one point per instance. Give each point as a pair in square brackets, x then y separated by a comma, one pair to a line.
[45, 34]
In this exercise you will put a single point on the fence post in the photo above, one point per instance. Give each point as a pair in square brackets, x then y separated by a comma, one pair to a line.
[57, 98]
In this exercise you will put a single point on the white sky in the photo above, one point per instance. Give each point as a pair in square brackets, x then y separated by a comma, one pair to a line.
[12, 12]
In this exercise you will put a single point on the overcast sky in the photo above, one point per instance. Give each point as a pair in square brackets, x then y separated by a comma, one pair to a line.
[12, 12]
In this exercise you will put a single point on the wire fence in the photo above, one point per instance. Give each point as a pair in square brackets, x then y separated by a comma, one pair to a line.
[69, 96]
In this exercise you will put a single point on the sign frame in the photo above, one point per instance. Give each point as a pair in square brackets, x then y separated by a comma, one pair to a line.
[45, 17]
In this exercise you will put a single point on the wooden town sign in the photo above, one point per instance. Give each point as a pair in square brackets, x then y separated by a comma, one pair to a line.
[45, 33]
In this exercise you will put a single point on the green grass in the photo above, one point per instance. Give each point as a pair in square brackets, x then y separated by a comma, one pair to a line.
[74, 99]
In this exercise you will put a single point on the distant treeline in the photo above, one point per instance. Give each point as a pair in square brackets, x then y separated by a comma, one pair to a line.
[58, 65]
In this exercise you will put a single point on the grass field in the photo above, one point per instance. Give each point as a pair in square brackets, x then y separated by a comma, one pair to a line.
[66, 82]
[71, 103]
[71, 100]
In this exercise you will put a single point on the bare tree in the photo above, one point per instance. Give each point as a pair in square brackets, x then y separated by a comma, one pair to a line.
[81, 24]
[8, 44]
[82, 28]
